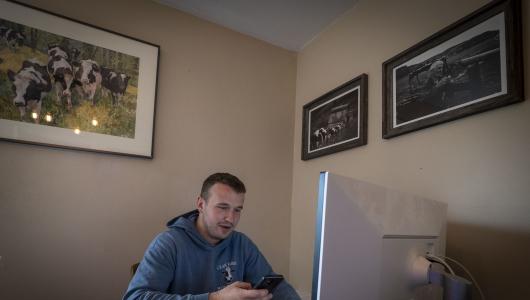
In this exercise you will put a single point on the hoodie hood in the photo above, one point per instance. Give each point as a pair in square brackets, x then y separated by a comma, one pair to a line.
[186, 223]
[191, 216]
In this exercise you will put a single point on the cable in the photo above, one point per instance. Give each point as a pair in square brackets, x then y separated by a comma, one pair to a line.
[468, 273]
[440, 260]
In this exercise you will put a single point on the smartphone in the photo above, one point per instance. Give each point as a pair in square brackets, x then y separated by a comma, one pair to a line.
[269, 282]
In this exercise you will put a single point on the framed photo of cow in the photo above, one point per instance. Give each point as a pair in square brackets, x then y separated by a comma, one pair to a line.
[471, 66]
[337, 120]
[68, 84]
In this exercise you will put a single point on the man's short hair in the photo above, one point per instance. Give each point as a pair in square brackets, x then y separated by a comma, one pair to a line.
[224, 178]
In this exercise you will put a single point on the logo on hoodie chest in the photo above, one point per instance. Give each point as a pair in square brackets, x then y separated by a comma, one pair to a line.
[227, 269]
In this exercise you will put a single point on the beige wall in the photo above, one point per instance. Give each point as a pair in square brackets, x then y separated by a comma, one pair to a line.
[72, 222]
[479, 165]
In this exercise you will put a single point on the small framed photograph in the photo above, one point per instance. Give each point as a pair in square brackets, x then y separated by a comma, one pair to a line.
[68, 84]
[337, 120]
[471, 66]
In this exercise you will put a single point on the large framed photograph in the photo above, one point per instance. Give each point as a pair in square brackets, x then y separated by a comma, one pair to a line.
[68, 84]
[337, 120]
[471, 66]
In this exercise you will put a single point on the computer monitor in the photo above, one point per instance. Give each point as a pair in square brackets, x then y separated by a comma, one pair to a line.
[368, 238]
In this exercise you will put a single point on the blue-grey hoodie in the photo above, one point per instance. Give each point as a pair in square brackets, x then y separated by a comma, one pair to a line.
[180, 264]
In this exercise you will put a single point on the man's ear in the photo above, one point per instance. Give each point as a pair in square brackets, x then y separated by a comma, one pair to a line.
[201, 203]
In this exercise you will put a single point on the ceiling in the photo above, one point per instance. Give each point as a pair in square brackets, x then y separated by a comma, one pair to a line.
[290, 24]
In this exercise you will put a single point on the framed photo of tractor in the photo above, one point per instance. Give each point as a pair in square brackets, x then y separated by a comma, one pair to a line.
[472, 66]
[64, 83]
[337, 120]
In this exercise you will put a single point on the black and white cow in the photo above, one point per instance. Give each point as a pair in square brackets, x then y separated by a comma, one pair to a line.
[336, 128]
[321, 136]
[55, 50]
[71, 55]
[12, 38]
[30, 85]
[61, 69]
[88, 77]
[116, 83]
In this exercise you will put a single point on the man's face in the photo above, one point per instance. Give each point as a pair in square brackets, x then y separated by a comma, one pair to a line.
[219, 214]
[437, 69]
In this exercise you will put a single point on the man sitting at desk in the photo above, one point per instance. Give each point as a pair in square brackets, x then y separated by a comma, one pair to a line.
[201, 257]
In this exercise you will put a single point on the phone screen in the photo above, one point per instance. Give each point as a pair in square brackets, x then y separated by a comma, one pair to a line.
[269, 282]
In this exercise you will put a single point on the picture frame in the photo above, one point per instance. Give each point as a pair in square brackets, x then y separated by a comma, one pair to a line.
[69, 84]
[471, 66]
[337, 120]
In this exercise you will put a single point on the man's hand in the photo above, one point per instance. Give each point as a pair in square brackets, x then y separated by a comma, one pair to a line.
[240, 291]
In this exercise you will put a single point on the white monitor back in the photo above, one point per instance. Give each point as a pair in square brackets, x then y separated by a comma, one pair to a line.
[367, 238]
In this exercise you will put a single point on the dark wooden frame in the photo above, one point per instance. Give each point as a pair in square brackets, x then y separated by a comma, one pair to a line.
[514, 67]
[359, 83]
[152, 58]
